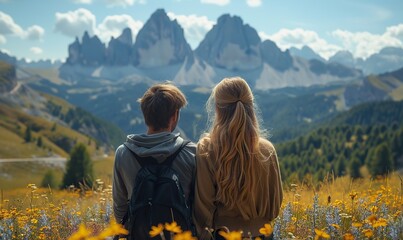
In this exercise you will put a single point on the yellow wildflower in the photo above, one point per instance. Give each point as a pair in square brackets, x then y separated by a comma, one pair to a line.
[348, 236]
[374, 209]
[173, 227]
[187, 235]
[234, 235]
[372, 219]
[353, 195]
[335, 226]
[266, 230]
[321, 234]
[380, 223]
[34, 221]
[156, 230]
[113, 229]
[356, 224]
[368, 233]
[82, 233]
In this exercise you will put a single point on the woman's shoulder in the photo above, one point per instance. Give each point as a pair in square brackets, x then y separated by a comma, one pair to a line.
[204, 143]
[267, 148]
[265, 144]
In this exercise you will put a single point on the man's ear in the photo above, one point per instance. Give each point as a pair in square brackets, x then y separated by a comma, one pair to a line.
[176, 115]
[173, 121]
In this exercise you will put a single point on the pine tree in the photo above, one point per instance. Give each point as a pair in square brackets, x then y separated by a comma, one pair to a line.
[78, 168]
[39, 142]
[355, 168]
[381, 161]
[48, 180]
[28, 134]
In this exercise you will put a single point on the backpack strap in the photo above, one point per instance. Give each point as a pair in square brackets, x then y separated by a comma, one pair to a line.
[171, 158]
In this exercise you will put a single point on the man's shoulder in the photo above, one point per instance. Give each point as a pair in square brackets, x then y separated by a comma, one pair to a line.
[121, 152]
[190, 146]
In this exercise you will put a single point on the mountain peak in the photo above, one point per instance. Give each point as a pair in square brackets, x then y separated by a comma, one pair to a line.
[126, 36]
[306, 52]
[160, 42]
[228, 19]
[231, 44]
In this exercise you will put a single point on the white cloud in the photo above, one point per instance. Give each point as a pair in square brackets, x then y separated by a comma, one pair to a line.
[2, 39]
[114, 25]
[254, 3]
[286, 38]
[5, 51]
[395, 31]
[82, 1]
[195, 27]
[123, 3]
[75, 23]
[36, 50]
[34, 32]
[216, 2]
[364, 44]
[8, 26]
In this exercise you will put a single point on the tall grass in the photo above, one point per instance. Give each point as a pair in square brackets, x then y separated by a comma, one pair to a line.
[337, 209]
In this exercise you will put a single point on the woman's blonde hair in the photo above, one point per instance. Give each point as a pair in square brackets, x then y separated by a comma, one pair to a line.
[234, 135]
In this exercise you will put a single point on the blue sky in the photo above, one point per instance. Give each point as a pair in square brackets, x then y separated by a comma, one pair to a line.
[42, 29]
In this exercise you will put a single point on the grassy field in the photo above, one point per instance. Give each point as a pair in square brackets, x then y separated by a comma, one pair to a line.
[337, 209]
[20, 174]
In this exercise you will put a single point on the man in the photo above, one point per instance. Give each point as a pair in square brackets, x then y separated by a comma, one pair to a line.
[161, 106]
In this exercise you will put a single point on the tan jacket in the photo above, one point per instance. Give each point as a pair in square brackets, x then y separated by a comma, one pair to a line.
[208, 214]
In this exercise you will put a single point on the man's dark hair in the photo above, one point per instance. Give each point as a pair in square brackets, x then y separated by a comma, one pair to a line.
[159, 103]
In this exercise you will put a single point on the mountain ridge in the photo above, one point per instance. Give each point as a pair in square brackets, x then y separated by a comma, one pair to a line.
[231, 48]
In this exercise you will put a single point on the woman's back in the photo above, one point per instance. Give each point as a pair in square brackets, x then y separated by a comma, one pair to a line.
[238, 181]
[249, 214]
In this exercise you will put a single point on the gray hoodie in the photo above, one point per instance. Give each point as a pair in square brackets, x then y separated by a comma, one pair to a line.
[159, 146]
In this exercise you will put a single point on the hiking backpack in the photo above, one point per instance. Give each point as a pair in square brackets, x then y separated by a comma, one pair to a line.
[157, 198]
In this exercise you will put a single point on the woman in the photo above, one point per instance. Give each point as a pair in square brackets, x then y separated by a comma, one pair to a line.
[238, 182]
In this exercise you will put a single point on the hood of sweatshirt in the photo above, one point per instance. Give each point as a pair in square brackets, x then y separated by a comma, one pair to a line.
[158, 145]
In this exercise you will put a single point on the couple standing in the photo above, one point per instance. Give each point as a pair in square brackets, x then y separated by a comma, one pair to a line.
[232, 175]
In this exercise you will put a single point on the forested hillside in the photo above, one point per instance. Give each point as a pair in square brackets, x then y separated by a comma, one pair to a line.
[360, 140]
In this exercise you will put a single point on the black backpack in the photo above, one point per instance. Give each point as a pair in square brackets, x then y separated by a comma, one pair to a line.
[157, 198]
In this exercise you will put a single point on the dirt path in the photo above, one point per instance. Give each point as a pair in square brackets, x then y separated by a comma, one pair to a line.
[56, 161]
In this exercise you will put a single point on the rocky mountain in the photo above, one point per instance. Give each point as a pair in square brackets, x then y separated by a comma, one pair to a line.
[160, 42]
[387, 60]
[273, 56]
[119, 51]
[43, 63]
[306, 53]
[231, 45]
[7, 77]
[39, 64]
[343, 57]
[90, 52]
[7, 58]
[160, 52]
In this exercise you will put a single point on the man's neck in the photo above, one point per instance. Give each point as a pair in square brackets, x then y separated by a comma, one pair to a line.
[152, 131]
